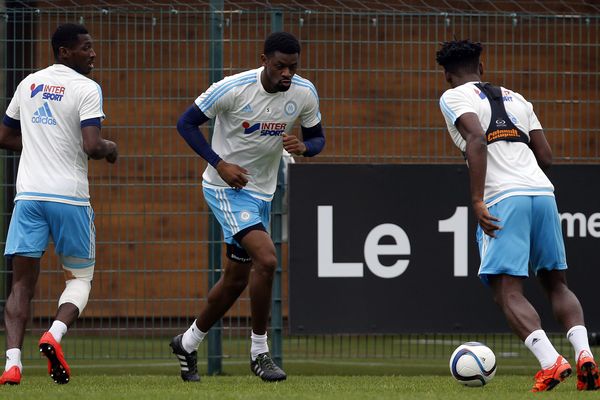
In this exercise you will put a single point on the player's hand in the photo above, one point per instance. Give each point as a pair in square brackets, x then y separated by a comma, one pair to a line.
[485, 219]
[234, 175]
[113, 153]
[293, 145]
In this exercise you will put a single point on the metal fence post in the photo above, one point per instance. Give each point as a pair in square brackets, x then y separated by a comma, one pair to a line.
[215, 340]
[276, 230]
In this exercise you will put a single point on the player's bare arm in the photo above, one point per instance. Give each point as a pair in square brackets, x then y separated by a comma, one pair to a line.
[541, 148]
[96, 147]
[10, 136]
[476, 152]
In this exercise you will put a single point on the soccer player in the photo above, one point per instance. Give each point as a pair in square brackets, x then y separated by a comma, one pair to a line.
[54, 119]
[513, 200]
[254, 112]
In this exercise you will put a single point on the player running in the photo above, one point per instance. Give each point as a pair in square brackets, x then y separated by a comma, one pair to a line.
[254, 112]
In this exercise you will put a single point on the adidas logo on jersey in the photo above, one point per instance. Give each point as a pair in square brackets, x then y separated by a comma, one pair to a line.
[247, 108]
[43, 116]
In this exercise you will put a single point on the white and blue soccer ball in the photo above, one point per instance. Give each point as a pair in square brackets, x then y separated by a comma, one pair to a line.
[473, 364]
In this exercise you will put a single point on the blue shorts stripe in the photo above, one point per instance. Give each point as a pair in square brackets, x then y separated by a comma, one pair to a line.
[226, 209]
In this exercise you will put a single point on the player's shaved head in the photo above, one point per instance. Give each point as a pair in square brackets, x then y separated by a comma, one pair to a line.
[459, 56]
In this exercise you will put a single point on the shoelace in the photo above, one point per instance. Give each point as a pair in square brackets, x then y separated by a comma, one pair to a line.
[266, 362]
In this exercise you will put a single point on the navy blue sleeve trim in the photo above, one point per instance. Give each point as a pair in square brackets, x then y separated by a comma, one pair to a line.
[314, 140]
[11, 122]
[187, 126]
[91, 122]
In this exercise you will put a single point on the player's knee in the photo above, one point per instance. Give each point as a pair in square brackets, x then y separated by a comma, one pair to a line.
[265, 264]
[22, 291]
[497, 299]
[508, 298]
[79, 274]
[77, 292]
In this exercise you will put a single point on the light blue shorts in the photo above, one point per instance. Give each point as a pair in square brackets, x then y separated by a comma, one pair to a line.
[236, 210]
[33, 222]
[530, 238]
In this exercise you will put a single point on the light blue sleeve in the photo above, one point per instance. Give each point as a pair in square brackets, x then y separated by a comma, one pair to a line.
[310, 114]
[220, 96]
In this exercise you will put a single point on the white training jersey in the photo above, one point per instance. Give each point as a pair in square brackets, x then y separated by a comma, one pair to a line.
[50, 105]
[512, 168]
[250, 123]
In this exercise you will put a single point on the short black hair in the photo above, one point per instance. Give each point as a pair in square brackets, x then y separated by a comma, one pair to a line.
[459, 55]
[283, 42]
[66, 35]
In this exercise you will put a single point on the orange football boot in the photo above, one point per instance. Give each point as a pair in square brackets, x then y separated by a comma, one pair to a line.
[547, 379]
[587, 372]
[57, 366]
[11, 377]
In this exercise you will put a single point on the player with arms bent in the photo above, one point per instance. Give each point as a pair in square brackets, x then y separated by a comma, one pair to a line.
[54, 119]
[513, 201]
[254, 112]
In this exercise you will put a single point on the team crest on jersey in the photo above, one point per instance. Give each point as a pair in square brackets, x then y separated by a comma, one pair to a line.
[290, 108]
[265, 128]
[49, 92]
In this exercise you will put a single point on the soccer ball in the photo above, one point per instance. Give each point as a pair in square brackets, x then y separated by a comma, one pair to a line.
[473, 364]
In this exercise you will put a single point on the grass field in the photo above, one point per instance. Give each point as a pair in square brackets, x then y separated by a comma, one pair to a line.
[322, 379]
[356, 377]
[159, 380]
[108, 387]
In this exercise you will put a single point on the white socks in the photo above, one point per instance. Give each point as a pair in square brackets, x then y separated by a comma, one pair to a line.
[578, 337]
[13, 357]
[192, 337]
[259, 345]
[58, 329]
[542, 349]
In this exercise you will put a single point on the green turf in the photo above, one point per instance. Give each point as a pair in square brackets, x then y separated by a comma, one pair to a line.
[109, 387]
[121, 368]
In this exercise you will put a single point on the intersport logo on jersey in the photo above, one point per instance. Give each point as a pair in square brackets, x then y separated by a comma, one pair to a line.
[265, 128]
[49, 92]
